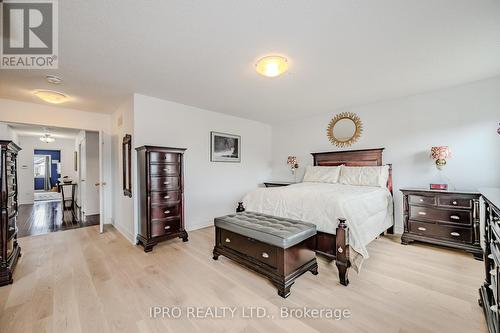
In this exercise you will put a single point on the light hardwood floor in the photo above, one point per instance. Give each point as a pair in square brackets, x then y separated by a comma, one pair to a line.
[83, 281]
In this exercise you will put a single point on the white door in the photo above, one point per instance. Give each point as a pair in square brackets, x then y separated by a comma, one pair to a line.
[101, 183]
[82, 176]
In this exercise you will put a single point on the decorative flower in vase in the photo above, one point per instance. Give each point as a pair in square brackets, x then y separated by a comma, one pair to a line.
[440, 154]
[292, 163]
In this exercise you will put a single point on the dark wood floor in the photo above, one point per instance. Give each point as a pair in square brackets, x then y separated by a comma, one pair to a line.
[47, 216]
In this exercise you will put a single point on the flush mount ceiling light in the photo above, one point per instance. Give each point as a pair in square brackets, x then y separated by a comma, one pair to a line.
[47, 138]
[272, 66]
[53, 79]
[51, 96]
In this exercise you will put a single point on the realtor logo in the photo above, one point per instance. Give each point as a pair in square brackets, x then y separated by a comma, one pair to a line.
[29, 34]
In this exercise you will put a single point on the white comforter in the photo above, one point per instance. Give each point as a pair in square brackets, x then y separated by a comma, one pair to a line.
[368, 210]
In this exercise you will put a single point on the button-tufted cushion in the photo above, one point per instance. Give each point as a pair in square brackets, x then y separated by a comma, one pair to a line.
[268, 229]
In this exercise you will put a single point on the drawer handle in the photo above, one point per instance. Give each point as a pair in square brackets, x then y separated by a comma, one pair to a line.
[454, 202]
[165, 169]
[167, 227]
[421, 200]
[455, 234]
[454, 217]
[422, 213]
[228, 240]
[166, 197]
[166, 183]
[265, 255]
[167, 212]
[422, 228]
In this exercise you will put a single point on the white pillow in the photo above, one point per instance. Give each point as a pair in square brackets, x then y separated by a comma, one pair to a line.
[322, 174]
[365, 176]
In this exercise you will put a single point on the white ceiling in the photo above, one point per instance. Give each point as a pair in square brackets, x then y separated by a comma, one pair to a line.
[38, 131]
[202, 53]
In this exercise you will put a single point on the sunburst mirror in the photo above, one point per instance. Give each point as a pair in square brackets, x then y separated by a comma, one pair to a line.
[344, 129]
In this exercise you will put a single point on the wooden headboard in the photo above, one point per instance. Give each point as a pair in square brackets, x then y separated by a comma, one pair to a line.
[363, 157]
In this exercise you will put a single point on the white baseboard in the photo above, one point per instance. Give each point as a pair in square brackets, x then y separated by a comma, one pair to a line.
[128, 235]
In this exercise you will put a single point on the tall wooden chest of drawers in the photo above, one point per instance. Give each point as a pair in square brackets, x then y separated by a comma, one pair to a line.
[9, 249]
[488, 293]
[448, 218]
[161, 195]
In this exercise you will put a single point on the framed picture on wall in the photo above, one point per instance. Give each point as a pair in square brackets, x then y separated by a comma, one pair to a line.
[225, 147]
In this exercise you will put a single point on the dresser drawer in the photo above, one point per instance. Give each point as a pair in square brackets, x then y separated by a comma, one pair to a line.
[450, 201]
[164, 183]
[440, 215]
[164, 227]
[165, 197]
[422, 200]
[165, 169]
[165, 212]
[262, 252]
[453, 233]
[158, 157]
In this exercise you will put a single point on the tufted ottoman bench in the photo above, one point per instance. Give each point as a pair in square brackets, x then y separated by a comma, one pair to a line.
[279, 248]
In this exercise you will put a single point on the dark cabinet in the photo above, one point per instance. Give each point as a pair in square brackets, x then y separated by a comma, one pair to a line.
[161, 195]
[9, 248]
[448, 218]
[488, 293]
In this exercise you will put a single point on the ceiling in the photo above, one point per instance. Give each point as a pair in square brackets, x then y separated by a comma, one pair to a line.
[38, 131]
[202, 53]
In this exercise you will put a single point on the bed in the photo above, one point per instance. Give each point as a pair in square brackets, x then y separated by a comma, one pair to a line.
[347, 217]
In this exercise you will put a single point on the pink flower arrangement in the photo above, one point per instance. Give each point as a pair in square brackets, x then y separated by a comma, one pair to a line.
[440, 153]
[292, 161]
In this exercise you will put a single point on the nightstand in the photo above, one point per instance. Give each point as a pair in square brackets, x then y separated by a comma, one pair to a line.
[277, 184]
[448, 218]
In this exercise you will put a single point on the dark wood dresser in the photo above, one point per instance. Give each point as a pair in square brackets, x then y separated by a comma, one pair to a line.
[161, 195]
[9, 249]
[448, 218]
[488, 293]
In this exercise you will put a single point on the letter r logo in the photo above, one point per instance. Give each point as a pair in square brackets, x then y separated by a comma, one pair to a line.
[27, 28]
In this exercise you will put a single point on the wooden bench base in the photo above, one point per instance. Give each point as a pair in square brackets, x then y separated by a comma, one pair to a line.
[281, 266]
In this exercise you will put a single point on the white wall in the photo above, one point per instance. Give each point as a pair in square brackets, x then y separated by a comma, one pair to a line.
[47, 115]
[465, 118]
[211, 189]
[123, 206]
[8, 134]
[25, 163]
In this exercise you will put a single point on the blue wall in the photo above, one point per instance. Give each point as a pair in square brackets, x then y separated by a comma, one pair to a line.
[55, 155]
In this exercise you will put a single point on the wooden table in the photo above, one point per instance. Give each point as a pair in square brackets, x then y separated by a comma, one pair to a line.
[71, 206]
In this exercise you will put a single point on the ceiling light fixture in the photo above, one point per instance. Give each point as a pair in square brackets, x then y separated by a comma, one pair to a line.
[51, 96]
[53, 79]
[272, 66]
[47, 138]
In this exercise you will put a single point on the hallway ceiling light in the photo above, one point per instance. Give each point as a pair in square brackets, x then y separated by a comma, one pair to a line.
[272, 66]
[51, 96]
[47, 138]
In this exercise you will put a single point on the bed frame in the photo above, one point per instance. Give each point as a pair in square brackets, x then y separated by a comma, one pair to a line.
[334, 247]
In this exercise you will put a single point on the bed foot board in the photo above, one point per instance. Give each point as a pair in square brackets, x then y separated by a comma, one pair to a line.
[342, 252]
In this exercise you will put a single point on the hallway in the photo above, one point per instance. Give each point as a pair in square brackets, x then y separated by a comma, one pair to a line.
[46, 216]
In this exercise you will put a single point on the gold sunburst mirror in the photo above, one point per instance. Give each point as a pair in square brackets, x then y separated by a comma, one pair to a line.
[344, 129]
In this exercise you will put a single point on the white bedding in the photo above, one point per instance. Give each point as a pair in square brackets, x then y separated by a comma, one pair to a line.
[368, 210]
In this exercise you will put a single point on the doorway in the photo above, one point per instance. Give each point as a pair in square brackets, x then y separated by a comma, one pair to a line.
[59, 171]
